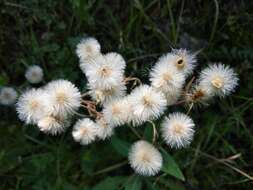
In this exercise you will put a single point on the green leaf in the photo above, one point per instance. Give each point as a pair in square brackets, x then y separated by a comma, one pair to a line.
[50, 47]
[3, 80]
[148, 133]
[134, 183]
[170, 166]
[87, 162]
[110, 183]
[172, 184]
[121, 146]
[149, 185]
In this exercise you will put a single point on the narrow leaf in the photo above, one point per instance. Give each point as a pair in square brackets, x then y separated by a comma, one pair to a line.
[109, 183]
[148, 133]
[149, 185]
[120, 146]
[170, 166]
[134, 183]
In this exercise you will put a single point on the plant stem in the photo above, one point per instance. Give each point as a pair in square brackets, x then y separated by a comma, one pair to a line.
[110, 168]
[215, 21]
[154, 131]
[190, 108]
[135, 132]
[173, 26]
[224, 161]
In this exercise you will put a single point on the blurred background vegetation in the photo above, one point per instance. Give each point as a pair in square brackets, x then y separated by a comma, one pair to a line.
[45, 32]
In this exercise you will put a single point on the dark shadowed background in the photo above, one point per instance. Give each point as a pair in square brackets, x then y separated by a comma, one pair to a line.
[45, 32]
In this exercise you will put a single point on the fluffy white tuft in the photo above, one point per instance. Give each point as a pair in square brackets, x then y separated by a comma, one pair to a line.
[103, 74]
[117, 112]
[164, 77]
[88, 64]
[52, 125]
[181, 59]
[199, 94]
[31, 105]
[85, 131]
[167, 79]
[145, 159]
[104, 130]
[147, 104]
[63, 98]
[177, 130]
[34, 74]
[172, 96]
[87, 48]
[116, 60]
[8, 96]
[218, 79]
[104, 96]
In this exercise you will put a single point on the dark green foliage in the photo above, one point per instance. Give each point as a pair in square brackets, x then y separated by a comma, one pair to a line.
[46, 33]
[170, 166]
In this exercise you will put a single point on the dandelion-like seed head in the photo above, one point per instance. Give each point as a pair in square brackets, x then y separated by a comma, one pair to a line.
[146, 104]
[62, 97]
[52, 125]
[116, 60]
[8, 96]
[185, 61]
[34, 74]
[84, 131]
[88, 48]
[177, 130]
[145, 159]
[31, 105]
[104, 75]
[218, 79]
[181, 59]
[199, 94]
[166, 78]
[104, 96]
[104, 130]
[117, 112]
[173, 95]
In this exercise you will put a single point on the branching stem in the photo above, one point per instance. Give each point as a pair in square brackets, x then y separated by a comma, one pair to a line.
[155, 134]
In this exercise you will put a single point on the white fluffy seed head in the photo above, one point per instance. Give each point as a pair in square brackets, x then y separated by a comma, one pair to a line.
[117, 112]
[88, 64]
[52, 125]
[103, 74]
[147, 104]
[88, 48]
[116, 60]
[172, 96]
[145, 159]
[104, 130]
[165, 77]
[104, 96]
[34, 74]
[31, 105]
[177, 130]
[85, 131]
[199, 94]
[218, 79]
[63, 98]
[181, 59]
[8, 96]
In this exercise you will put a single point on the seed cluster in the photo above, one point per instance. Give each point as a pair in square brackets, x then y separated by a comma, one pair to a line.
[109, 105]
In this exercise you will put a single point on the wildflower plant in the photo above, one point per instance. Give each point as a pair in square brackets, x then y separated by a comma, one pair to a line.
[8, 96]
[34, 74]
[112, 102]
